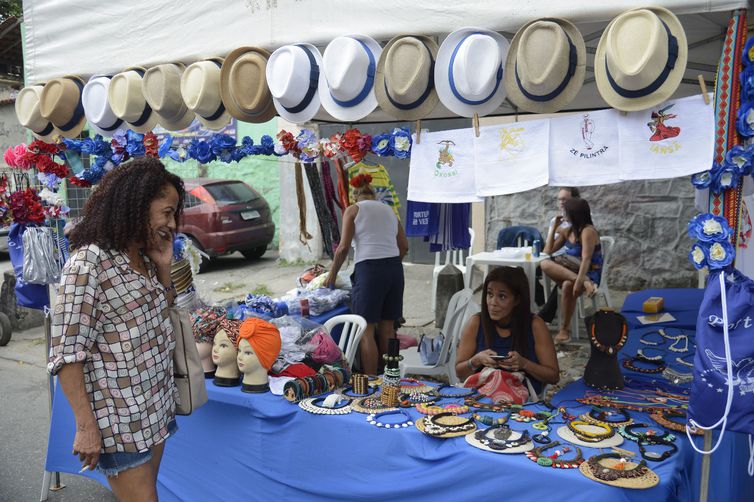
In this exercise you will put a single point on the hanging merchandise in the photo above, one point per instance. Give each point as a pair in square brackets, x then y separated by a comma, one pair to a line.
[293, 76]
[200, 90]
[584, 149]
[422, 218]
[452, 228]
[243, 85]
[127, 100]
[381, 182]
[98, 113]
[42, 263]
[331, 200]
[442, 168]
[509, 158]
[29, 116]
[303, 234]
[723, 384]
[161, 86]
[60, 103]
[671, 139]
[32, 296]
[326, 224]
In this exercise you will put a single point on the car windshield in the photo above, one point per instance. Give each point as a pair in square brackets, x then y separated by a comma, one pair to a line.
[233, 192]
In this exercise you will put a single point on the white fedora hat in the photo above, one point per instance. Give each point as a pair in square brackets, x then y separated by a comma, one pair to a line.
[346, 87]
[60, 103]
[545, 66]
[100, 116]
[162, 90]
[293, 78]
[127, 101]
[640, 59]
[200, 89]
[29, 115]
[405, 82]
[469, 71]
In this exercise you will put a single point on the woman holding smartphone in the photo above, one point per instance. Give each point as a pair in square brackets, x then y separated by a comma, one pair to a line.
[506, 335]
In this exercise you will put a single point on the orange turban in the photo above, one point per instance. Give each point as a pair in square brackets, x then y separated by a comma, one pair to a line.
[263, 337]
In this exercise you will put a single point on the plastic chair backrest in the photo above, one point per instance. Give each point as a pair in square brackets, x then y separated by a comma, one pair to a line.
[607, 243]
[517, 236]
[456, 310]
[350, 335]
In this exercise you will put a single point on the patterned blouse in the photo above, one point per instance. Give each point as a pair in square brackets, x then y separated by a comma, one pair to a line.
[116, 322]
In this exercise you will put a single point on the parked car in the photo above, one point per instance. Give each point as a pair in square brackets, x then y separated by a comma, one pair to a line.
[223, 216]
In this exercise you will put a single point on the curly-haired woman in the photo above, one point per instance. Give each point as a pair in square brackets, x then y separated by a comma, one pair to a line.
[380, 244]
[112, 337]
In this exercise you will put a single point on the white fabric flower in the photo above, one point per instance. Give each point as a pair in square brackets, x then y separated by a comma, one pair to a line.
[698, 255]
[712, 227]
[402, 143]
[717, 252]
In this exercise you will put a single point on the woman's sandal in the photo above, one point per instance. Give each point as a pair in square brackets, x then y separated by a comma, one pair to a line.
[590, 288]
[559, 339]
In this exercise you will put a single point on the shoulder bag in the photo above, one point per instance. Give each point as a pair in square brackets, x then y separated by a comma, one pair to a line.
[187, 366]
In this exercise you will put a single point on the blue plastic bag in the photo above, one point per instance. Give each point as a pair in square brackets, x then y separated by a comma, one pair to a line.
[33, 296]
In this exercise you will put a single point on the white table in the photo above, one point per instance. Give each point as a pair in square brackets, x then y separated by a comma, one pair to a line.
[497, 259]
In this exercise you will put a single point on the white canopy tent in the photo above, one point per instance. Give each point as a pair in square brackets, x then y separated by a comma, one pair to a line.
[84, 37]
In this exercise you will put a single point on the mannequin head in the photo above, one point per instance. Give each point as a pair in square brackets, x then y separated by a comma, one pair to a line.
[205, 323]
[254, 374]
[224, 353]
[259, 345]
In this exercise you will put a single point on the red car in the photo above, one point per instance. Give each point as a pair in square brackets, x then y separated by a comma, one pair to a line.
[223, 216]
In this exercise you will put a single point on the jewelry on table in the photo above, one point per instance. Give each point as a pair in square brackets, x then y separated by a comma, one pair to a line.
[326, 405]
[374, 419]
[351, 391]
[360, 384]
[653, 455]
[608, 349]
[630, 365]
[682, 360]
[627, 432]
[663, 418]
[457, 391]
[369, 405]
[414, 398]
[526, 416]
[576, 427]
[434, 427]
[676, 376]
[605, 473]
[412, 386]
[500, 432]
[602, 417]
[501, 444]
[488, 420]
[645, 357]
[473, 402]
[684, 348]
[646, 341]
[535, 455]
[455, 409]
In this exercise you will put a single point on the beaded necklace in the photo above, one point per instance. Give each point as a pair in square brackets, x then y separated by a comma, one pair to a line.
[370, 405]
[608, 349]
[644, 339]
[488, 420]
[645, 357]
[535, 455]
[676, 376]
[434, 427]
[663, 418]
[630, 365]
[374, 419]
[605, 473]
[410, 400]
[501, 444]
[455, 409]
[473, 402]
[684, 348]
[412, 386]
[682, 360]
[590, 437]
[316, 406]
[602, 417]
[653, 456]
[457, 391]
[627, 432]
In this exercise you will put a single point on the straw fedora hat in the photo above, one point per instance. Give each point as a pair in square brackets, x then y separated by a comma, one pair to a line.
[243, 85]
[545, 67]
[161, 86]
[405, 81]
[127, 101]
[640, 59]
[29, 116]
[346, 85]
[100, 116]
[60, 103]
[293, 77]
[469, 71]
[200, 89]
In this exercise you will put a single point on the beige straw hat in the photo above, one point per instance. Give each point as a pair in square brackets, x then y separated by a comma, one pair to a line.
[161, 86]
[29, 115]
[640, 59]
[127, 101]
[405, 82]
[200, 88]
[545, 67]
[60, 103]
[243, 85]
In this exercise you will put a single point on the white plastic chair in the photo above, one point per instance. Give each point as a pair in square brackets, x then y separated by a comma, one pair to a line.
[607, 244]
[454, 321]
[455, 257]
[350, 335]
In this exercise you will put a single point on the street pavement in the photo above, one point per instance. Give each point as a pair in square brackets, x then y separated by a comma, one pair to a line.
[24, 415]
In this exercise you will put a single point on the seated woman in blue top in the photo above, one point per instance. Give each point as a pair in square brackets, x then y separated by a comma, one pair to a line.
[506, 334]
[579, 269]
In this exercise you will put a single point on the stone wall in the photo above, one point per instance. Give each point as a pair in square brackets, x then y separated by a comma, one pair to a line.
[646, 218]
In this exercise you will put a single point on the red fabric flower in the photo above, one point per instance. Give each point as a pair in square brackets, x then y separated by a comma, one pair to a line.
[38, 146]
[79, 182]
[46, 165]
[151, 144]
[356, 144]
[26, 207]
[10, 156]
[289, 142]
[360, 180]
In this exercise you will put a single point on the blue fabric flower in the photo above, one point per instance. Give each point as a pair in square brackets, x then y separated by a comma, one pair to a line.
[747, 83]
[49, 180]
[740, 158]
[745, 119]
[725, 178]
[381, 145]
[267, 145]
[223, 146]
[698, 256]
[708, 228]
[748, 52]
[400, 142]
[701, 180]
[135, 144]
[720, 254]
[200, 151]
[165, 146]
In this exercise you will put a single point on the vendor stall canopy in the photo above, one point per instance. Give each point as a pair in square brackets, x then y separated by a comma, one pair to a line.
[84, 37]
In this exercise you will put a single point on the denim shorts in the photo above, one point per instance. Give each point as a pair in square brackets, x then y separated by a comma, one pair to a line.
[377, 293]
[112, 464]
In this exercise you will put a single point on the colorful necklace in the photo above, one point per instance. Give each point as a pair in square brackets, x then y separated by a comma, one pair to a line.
[501, 444]
[535, 455]
[488, 420]
[630, 364]
[455, 409]
[374, 419]
[590, 437]
[663, 418]
[473, 402]
[414, 398]
[608, 349]
[653, 456]
[602, 417]
[605, 473]
[434, 427]
[457, 391]
[627, 432]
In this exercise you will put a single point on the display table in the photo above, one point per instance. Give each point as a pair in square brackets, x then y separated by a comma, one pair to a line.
[493, 258]
[323, 317]
[683, 304]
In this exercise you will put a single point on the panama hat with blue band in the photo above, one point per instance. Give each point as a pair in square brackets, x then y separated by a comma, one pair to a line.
[546, 65]
[469, 71]
[102, 120]
[29, 115]
[640, 59]
[293, 78]
[60, 103]
[347, 75]
[200, 89]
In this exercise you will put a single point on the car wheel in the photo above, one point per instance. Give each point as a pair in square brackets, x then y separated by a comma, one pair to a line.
[6, 330]
[204, 264]
[254, 253]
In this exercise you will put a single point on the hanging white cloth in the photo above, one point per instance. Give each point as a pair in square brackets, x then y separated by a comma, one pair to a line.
[673, 139]
[442, 167]
[511, 158]
[584, 149]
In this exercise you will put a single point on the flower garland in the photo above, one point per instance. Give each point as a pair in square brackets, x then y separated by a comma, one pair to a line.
[713, 248]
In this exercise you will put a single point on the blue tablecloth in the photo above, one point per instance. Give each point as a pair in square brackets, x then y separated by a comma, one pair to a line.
[675, 299]
[322, 318]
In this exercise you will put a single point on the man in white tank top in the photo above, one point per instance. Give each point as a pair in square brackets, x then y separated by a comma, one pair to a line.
[380, 244]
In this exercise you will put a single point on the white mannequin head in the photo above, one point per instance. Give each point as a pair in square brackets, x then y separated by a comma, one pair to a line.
[224, 356]
[248, 363]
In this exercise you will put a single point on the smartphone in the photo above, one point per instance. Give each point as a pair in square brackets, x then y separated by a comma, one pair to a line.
[499, 358]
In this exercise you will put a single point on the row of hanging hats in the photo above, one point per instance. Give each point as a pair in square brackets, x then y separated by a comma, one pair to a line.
[639, 62]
